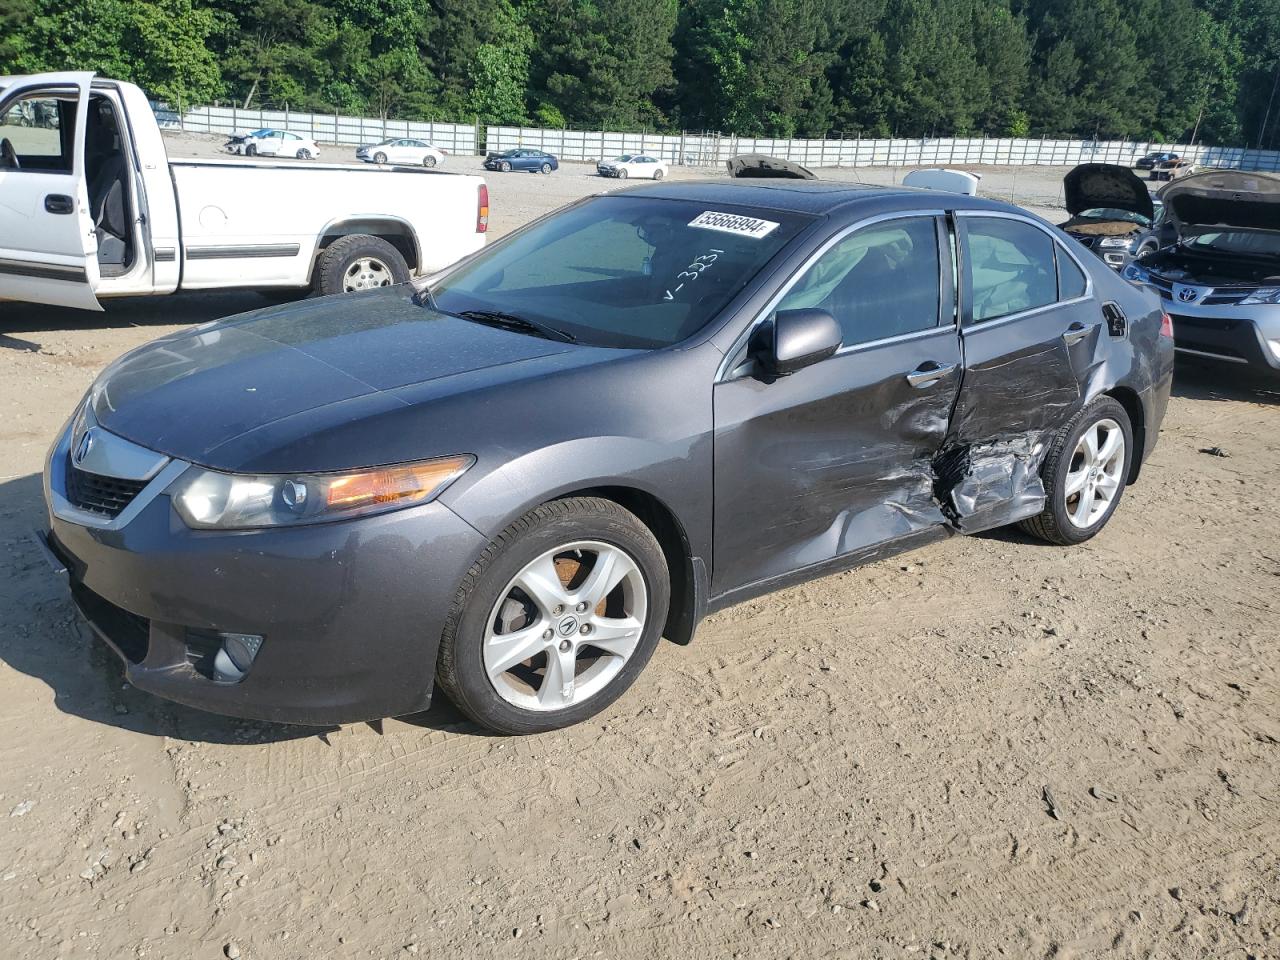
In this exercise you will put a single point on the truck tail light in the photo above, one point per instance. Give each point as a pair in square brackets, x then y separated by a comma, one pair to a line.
[1166, 325]
[482, 209]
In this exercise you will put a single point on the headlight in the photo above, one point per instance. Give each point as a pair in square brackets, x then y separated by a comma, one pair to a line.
[1116, 242]
[1135, 273]
[1264, 295]
[207, 499]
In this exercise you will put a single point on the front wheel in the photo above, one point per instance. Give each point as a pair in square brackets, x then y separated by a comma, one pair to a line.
[251, 150]
[379, 158]
[556, 619]
[1085, 474]
[621, 174]
[359, 262]
[505, 167]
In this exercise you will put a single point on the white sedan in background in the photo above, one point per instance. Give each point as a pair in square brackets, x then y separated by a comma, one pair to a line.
[633, 165]
[273, 143]
[403, 151]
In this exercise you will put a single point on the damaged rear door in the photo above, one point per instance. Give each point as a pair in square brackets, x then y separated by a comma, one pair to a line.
[1024, 316]
[838, 457]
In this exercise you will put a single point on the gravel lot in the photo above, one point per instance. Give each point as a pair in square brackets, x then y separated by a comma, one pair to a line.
[856, 767]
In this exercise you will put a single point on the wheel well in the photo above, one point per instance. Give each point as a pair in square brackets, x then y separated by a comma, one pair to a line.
[1137, 421]
[397, 233]
[670, 534]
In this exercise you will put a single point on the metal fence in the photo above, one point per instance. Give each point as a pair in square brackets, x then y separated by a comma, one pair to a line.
[711, 149]
[714, 149]
[321, 127]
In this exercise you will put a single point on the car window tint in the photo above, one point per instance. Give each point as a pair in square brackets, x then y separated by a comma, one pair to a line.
[881, 281]
[1071, 279]
[1010, 267]
[39, 128]
[622, 271]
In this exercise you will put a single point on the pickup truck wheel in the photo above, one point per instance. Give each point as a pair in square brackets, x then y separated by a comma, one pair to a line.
[251, 150]
[1084, 474]
[379, 158]
[359, 262]
[428, 161]
[556, 619]
[505, 167]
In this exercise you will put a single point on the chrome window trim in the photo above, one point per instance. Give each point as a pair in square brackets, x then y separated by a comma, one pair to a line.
[725, 372]
[1060, 248]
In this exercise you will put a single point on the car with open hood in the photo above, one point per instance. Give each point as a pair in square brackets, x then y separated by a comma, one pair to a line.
[1113, 213]
[652, 404]
[1221, 280]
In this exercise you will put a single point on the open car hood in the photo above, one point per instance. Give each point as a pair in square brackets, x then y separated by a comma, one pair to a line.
[1223, 200]
[759, 165]
[1093, 185]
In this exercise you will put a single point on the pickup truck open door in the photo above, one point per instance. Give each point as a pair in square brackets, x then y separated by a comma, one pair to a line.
[48, 246]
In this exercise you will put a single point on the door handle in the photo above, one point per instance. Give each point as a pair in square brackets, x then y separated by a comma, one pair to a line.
[59, 203]
[929, 372]
[1075, 333]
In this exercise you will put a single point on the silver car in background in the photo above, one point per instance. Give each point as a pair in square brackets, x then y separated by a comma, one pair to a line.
[1221, 281]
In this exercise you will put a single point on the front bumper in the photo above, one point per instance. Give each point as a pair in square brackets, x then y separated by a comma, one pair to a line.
[1244, 335]
[351, 612]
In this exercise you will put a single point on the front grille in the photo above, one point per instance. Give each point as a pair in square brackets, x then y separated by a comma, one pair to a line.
[127, 632]
[104, 496]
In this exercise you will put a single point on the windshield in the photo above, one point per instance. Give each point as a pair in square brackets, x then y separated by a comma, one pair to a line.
[1113, 213]
[620, 271]
[623, 159]
[1256, 243]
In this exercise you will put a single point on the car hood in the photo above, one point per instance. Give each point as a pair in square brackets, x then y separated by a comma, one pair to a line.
[1106, 185]
[1223, 200]
[329, 360]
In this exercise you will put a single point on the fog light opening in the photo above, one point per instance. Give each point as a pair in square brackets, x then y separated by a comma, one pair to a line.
[234, 658]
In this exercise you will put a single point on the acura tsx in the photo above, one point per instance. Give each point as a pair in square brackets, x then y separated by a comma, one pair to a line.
[641, 408]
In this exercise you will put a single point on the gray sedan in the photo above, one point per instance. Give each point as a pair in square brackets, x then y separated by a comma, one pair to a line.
[643, 408]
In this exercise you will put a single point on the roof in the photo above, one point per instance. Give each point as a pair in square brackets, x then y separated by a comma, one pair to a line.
[808, 196]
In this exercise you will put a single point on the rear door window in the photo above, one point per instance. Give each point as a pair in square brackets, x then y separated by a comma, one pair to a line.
[1010, 267]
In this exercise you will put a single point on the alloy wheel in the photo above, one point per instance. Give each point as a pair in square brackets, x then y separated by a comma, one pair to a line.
[565, 626]
[1095, 475]
[365, 274]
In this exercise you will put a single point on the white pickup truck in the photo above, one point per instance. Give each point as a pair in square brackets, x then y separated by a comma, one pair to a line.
[91, 207]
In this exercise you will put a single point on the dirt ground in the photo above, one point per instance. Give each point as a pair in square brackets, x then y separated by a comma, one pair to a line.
[988, 748]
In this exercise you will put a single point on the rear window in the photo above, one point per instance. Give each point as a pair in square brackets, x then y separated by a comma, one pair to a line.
[623, 271]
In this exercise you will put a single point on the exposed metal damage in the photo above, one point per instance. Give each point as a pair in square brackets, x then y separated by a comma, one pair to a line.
[991, 485]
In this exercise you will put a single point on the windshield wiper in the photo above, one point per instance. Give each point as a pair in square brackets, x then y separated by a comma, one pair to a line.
[509, 321]
[427, 298]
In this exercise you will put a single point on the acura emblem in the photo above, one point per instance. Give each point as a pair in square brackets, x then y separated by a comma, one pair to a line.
[83, 447]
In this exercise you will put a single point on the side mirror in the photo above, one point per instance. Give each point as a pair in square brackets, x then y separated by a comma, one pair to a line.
[794, 340]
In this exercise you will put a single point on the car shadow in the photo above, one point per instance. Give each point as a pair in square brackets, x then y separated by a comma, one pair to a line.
[192, 308]
[43, 637]
[1201, 380]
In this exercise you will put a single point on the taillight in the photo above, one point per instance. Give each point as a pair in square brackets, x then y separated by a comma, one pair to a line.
[482, 209]
[1166, 325]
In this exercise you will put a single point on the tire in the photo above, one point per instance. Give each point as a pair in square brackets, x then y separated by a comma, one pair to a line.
[340, 257]
[304, 154]
[1145, 249]
[251, 150]
[379, 157]
[621, 174]
[657, 174]
[505, 166]
[428, 161]
[1055, 523]
[485, 601]
[546, 169]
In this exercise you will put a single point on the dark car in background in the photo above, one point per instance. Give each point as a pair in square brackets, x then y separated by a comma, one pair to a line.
[1152, 160]
[1221, 280]
[648, 406]
[534, 161]
[1113, 213]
